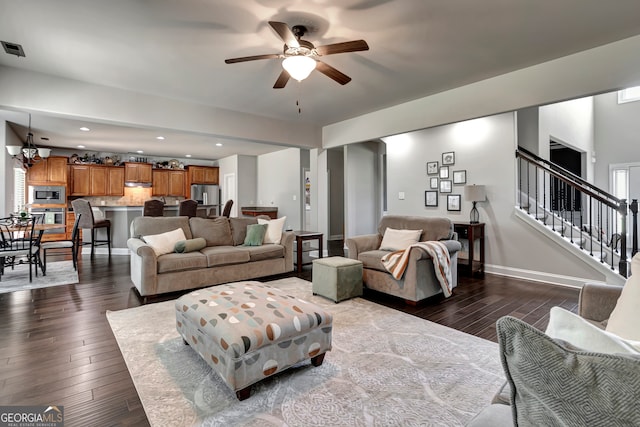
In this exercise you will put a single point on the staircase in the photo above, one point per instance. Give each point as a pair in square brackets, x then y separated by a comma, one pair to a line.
[579, 216]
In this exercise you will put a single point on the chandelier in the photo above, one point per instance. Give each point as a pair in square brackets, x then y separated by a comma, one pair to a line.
[31, 153]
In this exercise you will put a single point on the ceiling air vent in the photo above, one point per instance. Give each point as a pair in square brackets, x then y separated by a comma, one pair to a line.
[13, 48]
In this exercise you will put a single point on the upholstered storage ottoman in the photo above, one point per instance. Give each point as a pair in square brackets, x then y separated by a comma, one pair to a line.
[247, 331]
[337, 278]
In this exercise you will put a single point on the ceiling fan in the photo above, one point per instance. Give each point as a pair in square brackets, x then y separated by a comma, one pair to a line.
[300, 56]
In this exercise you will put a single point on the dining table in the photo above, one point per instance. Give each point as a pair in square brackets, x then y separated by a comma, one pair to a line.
[40, 228]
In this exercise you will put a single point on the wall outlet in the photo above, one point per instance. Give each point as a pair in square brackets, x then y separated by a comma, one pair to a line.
[295, 197]
[401, 195]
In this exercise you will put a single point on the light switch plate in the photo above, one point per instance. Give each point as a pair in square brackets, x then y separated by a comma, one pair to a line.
[401, 195]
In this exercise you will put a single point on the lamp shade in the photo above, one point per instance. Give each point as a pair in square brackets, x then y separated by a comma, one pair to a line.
[299, 67]
[44, 152]
[475, 193]
[14, 150]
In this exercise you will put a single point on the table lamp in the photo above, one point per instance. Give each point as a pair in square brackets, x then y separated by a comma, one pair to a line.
[475, 193]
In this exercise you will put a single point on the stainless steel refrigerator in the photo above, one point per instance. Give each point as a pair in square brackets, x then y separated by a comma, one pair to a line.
[207, 195]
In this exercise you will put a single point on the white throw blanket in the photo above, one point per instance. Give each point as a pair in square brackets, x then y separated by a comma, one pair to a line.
[396, 262]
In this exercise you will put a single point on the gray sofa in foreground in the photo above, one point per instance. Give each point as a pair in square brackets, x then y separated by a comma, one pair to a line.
[223, 260]
[419, 280]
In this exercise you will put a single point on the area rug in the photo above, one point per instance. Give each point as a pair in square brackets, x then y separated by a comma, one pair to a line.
[58, 273]
[386, 368]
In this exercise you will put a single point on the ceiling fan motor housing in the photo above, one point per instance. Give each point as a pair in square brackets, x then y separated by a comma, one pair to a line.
[305, 49]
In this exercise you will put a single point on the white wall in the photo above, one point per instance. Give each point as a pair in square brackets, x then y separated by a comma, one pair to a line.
[278, 183]
[7, 137]
[247, 181]
[617, 135]
[485, 149]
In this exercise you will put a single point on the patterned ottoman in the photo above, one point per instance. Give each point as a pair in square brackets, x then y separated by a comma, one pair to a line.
[247, 331]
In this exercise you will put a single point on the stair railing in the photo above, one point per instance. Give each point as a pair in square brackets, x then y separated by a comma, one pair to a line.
[588, 216]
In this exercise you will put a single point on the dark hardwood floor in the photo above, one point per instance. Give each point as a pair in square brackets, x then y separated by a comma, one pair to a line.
[56, 347]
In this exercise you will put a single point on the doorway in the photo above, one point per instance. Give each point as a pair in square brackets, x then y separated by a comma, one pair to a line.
[563, 197]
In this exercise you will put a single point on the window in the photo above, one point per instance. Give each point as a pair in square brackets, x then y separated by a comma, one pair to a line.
[629, 95]
[620, 187]
[19, 176]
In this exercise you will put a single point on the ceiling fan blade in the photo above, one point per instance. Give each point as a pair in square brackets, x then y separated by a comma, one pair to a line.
[283, 78]
[285, 33]
[252, 58]
[352, 46]
[332, 73]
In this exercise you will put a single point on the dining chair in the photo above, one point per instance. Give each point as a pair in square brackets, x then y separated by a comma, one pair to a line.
[88, 221]
[72, 245]
[19, 241]
[153, 207]
[188, 208]
[226, 211]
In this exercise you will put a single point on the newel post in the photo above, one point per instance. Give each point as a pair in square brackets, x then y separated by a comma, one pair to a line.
[622, 265]
[634, 231]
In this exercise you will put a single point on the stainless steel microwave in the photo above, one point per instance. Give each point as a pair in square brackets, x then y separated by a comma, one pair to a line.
[47, 194]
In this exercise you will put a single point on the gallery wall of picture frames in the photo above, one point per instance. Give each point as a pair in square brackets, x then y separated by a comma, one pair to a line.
[442, 180]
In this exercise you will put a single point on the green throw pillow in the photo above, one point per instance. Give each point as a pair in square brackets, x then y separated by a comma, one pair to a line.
[190, 245]
[255, 234]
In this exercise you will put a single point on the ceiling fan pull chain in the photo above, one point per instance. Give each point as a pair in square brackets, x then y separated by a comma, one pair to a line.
[298, 100]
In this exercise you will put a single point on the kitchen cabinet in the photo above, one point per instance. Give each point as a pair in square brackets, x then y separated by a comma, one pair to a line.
[168, 183]
[203, 175]
[52, 170]
[96, 180]
[137, 172]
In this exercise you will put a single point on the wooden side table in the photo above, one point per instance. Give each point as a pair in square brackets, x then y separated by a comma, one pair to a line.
[301, 236]
[471, 232]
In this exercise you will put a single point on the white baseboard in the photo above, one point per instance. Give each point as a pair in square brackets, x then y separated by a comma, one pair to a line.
[104, 251]
[335, 237]
[537, 276]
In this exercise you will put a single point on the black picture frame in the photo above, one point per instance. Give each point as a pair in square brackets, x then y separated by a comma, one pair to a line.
[460, 177]
[444, 172]
[432, 168]
[449, 158]
[431, 198]
[433, 183]
[454, 202]
[446, 186]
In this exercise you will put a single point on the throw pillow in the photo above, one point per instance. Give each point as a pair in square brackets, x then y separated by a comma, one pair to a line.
[164, 243]
[190, 245]
[575, 330]
[274, 229]
[554, 384]
[255, 234]
[625, 316]
[396, 240]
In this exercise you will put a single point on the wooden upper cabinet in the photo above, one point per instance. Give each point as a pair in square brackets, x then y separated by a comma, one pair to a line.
[52, 170]
[80, 180]
[169, 183]
[137, 172]
[99, 178]
[203, 175]
[115, 186]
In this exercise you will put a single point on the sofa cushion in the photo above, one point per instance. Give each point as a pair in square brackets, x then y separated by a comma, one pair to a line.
[373, 259]
[255, 234]
[215, 231]
[180, 262]
[553, 383]
[164, 243]
[625, 316]
[396, 240]
[258, 253]
[433, 228]
[239, 228]
[274, 229]
[148, 225]
[225, 255]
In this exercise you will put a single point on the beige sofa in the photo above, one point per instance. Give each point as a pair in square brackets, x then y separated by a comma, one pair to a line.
[419, 280]
[223, 260]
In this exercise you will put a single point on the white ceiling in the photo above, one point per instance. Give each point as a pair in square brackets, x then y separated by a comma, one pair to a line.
[177, 49]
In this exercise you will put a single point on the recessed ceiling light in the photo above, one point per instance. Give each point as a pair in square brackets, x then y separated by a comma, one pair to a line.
[187, 155]
[218, 145]
[160, 137]
[81, 146]
[139, 151]
[85, 129]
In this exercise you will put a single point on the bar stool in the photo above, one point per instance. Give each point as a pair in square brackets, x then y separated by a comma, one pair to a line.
[188, 208]
[153, 207]
[83, 207]
[226, 211]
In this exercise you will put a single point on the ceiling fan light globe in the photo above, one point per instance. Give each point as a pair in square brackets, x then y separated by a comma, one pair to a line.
[299, 67]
